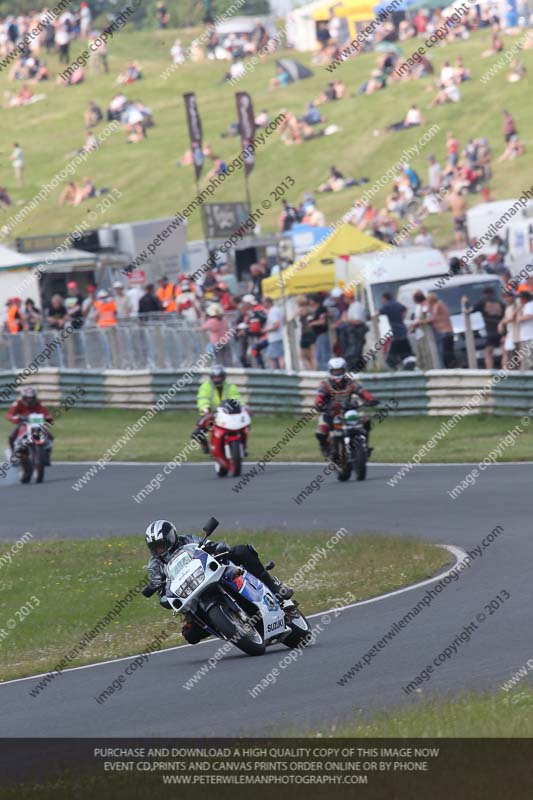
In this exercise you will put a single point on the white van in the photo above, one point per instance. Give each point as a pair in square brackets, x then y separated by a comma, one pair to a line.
[386, 271]
[450, 292]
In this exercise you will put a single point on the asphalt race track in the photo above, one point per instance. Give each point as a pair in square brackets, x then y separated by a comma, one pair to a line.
[153, 702]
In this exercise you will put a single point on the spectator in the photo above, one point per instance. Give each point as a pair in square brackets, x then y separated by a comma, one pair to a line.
[434, 174]
[452, 149]
[122, 302]
[106, 310]
[73, 304]
[319, 324]
[509, 127]
[186, 303]
[68, 195]
[98, 51]
[56, 313]
[457, 204]
[256, 277]
[165, 295]
[440, 321]
[14, 322]
[354, 332]
[87, 307]
[33, 315]
[412, 119]
[313, 216]
[424, 238]
[513, 149]
[524, 317]
[509, 329]
[288, 217]
[163, 17]
[149, 303]
[307, 333]
[395, 312]
[85, 20]
[217, 329]
[17, 159]
[5, 199]
[132, 73]
[62, 43]
[492, 310]
[93, 115]
[274, 332]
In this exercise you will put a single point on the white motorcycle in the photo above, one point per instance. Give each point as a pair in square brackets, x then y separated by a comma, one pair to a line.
[31, 448]
[228, 602]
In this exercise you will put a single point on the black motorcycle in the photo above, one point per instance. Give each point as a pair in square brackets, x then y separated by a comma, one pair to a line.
[348, 443]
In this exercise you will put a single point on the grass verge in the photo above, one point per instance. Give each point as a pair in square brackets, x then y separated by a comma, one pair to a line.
[502, 715]
[85, 435]
[78, 583]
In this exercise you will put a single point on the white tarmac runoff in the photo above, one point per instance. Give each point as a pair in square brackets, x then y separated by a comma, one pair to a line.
[153, 700]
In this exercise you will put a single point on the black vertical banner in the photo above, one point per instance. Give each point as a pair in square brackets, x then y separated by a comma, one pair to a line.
[195, 132]
[246, 117]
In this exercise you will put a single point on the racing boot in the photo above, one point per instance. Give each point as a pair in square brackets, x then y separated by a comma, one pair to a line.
[282, 592]
[199, 436]
[323, 443]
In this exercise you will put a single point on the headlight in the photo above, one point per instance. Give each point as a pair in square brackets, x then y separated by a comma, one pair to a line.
[192, 583]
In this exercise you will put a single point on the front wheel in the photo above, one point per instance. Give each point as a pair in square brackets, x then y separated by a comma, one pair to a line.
[359, 460]
[26, 467]
[235, 458]
[39, 464]
[230, 625]
[342, 464]
[300, 632]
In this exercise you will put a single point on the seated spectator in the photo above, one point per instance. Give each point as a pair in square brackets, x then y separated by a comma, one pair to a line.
[412, 119]
[497, 42]
[76, 77]
[131, 74]
[312, 115]
[69, 194]
[448, 93]
[23, 97]
[91, 143]
[116, 107]
[461, 73]
[513, 148]
[517, 71]
[337, 182]
[314, 217]
[5, 199]
[282, 78]
[86, 191]
[447, 74]
[133, 121]
[424, 238]
[177, 52]
[93, 115]
[219, 168]
[262, 119]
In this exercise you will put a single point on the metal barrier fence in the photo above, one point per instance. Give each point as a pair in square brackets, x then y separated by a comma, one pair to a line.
[130, 347]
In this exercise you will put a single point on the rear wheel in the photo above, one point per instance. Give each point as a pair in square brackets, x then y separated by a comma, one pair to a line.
[242, 635]
[236, 459]
[359, 460]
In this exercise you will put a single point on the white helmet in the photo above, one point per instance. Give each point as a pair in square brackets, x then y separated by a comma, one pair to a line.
[214, 310]
[161, 537]
[337, 370]
[102, 294]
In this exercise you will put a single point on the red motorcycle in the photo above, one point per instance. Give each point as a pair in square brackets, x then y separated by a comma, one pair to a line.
[229, 434]
[31, 449]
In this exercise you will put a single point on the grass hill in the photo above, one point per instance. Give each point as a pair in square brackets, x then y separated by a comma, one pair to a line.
[152, 185]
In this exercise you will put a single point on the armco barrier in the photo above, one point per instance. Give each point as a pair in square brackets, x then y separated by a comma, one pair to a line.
[437, 392]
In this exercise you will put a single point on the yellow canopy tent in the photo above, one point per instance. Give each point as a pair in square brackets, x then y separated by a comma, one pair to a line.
[356, 10]
[315, 272]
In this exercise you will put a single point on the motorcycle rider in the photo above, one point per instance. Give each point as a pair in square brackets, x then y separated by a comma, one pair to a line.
[27, 404]
[163, 540]
[333, 394]
[211, 393]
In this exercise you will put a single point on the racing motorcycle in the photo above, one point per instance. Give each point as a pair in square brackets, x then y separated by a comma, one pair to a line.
[228, 602]
[229, 434]
[348, 443]
[31, 449]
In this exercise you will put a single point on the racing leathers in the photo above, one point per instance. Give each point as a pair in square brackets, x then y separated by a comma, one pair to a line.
[18, 410]
[243, 555]
[208, 399]
[332, 398]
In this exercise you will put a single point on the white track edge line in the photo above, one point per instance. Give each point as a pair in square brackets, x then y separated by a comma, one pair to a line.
[458, 552]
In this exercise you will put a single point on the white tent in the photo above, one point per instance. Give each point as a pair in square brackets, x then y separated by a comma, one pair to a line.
[301, 26]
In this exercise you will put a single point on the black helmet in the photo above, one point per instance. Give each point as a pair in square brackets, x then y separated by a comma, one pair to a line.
[161, 537]
[231, 406]
[218, 374]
